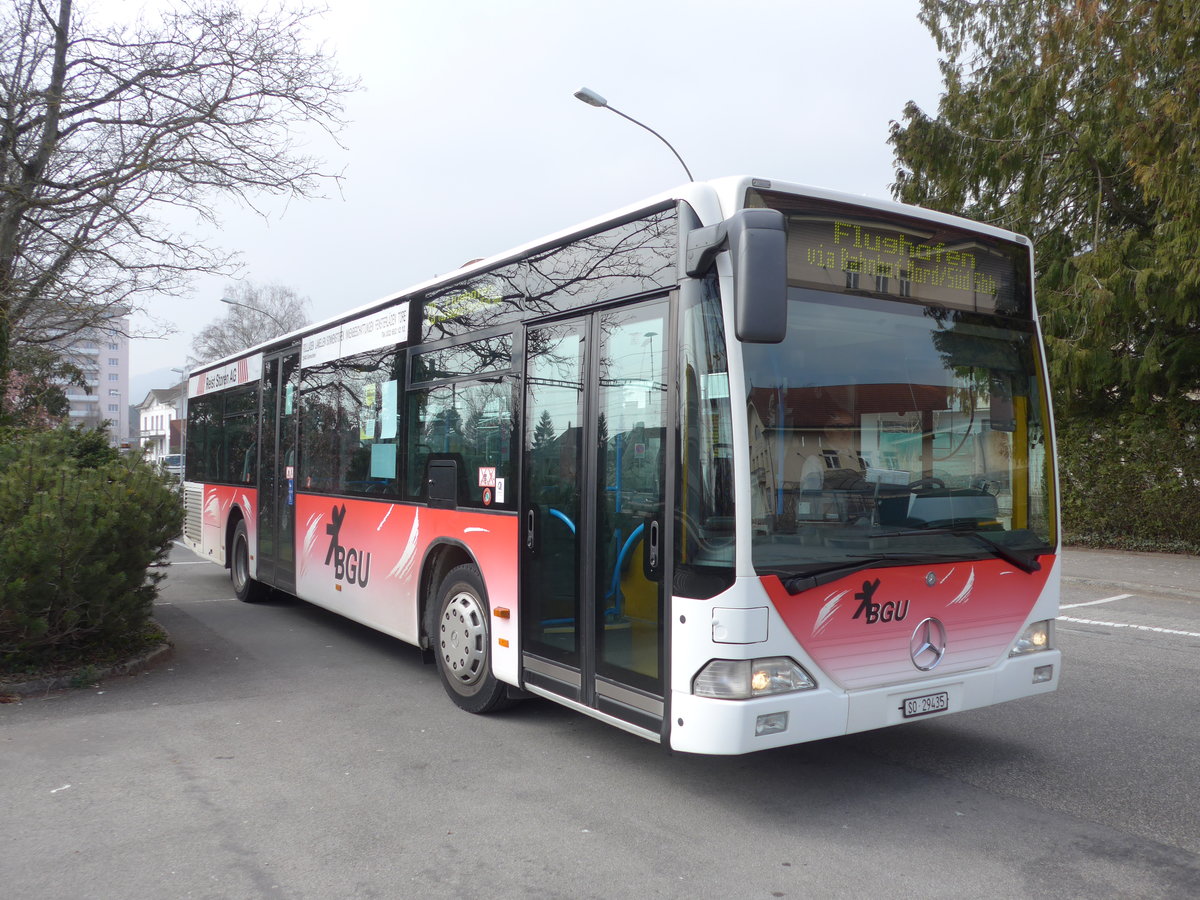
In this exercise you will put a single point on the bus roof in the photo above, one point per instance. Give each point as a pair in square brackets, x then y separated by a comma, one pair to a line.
[713, 201]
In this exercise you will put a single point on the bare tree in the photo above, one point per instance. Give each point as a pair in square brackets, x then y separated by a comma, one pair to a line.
[104, 129]
[258, 313]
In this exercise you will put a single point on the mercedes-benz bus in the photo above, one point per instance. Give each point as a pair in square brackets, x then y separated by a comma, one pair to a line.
[742, 465]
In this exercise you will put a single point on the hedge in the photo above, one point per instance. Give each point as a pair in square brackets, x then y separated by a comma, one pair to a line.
[1132, 481]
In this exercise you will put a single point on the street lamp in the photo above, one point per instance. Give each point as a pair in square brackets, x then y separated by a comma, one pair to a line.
[591, 98]
[282, 328]
[180, 415]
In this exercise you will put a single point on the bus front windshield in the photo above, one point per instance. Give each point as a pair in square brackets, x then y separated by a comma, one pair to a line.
[887, 432]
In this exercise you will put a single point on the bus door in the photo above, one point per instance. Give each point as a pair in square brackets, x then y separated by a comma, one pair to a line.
[277, 473]
[594, 546]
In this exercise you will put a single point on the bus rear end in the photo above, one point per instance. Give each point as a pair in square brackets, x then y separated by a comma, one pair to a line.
[878, 543]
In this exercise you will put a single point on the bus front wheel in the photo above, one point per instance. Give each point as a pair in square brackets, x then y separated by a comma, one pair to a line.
[461, 642]
[246, 588]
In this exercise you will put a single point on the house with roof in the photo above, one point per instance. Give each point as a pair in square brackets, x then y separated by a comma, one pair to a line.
[160, 422]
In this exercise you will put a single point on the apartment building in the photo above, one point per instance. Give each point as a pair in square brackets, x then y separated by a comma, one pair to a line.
[102, 354]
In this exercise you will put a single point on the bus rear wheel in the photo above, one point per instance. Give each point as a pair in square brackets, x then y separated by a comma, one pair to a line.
[244, 587]
[461, 642]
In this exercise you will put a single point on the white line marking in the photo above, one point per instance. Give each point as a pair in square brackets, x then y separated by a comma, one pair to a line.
[1176, 631]
[193, 602]
[1094, 602]
[205, 562]
[56, 790]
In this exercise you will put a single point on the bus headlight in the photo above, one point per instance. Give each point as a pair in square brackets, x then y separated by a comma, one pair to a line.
[741, 679]
[1033, 639]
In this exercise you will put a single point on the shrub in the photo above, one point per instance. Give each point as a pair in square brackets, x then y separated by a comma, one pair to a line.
[1132, 481]
[80, 527]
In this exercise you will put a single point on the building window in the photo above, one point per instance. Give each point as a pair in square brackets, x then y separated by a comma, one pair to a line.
[113, 362]
[113, 392]
[852, 270]
[114, 376]
[112, 407]
[114, 346]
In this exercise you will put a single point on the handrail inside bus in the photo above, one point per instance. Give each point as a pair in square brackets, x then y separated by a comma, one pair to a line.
[614, 590]
[563, 517]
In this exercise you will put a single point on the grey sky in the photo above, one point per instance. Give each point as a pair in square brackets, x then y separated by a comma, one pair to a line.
[466, 139]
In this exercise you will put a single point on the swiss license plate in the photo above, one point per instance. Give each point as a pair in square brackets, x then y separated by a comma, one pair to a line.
[923, 706]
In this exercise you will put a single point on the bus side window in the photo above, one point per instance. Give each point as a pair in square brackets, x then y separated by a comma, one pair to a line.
[470, 422]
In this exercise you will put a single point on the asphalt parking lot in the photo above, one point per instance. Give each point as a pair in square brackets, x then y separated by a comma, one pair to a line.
[284, 752]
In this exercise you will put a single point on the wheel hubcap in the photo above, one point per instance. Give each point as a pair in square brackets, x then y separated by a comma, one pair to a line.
[463, 639]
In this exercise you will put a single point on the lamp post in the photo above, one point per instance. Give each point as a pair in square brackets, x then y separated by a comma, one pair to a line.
[180, 413]
[282, 328]
[591, 98]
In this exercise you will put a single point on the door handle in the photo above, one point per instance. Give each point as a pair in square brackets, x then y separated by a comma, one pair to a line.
[652, 555]
[530, 529]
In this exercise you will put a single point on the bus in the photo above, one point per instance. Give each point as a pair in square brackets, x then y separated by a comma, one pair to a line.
[742, 465]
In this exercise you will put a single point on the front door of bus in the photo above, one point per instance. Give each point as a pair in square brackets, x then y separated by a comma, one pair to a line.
[593, 526]
[277, 461]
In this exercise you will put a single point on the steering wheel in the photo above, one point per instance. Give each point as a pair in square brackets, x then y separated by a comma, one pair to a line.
[926, 484]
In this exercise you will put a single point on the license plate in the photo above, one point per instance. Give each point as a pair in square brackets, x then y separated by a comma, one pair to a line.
[923, 706]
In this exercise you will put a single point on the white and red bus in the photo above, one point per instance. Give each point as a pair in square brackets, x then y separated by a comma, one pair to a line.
[743, 465]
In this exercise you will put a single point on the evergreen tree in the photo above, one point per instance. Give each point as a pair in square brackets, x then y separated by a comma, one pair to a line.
[543, 432]
[1075, 122]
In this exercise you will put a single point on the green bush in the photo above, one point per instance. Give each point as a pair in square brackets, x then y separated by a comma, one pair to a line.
[1132, 481]
[80, 527]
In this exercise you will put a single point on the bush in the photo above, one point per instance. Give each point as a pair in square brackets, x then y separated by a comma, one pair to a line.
[1132, 481]
[80, 527]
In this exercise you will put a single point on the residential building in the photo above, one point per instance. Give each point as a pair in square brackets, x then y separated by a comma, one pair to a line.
[161, 420]
[102, 354]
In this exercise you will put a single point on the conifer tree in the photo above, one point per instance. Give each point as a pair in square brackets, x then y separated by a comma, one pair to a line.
[1077, 122]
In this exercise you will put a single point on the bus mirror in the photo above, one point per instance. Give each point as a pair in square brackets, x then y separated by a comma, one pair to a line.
[757, 244]
[758, 247]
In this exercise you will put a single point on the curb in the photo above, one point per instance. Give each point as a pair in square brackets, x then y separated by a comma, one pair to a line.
[135, 666]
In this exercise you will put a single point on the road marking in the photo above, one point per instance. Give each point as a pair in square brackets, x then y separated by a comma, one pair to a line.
[1175, 631]
[1094, 602]
[205, 562]
[192, 602]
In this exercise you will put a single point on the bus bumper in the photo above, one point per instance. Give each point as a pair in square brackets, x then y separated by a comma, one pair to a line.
[719, 727]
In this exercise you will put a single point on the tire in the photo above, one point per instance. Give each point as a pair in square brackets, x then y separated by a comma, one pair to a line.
[460, 637]
[246, 588]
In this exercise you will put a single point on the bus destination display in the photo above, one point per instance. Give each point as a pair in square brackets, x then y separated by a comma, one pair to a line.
[847, 249]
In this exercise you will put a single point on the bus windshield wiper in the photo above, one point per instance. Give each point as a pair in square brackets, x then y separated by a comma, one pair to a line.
[1026, 563]
[798, 579]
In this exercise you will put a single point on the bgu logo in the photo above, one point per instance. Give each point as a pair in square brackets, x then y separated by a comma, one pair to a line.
[891, 611]
[349, 565]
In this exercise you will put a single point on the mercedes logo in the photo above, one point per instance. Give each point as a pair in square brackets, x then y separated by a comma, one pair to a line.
[928, 644]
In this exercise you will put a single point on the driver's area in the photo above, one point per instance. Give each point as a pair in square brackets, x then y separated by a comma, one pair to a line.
[884, 428]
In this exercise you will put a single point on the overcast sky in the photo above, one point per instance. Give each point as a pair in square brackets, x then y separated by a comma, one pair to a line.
[466, 139]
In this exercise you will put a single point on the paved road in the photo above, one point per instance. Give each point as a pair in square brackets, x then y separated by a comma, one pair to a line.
[284, 752]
